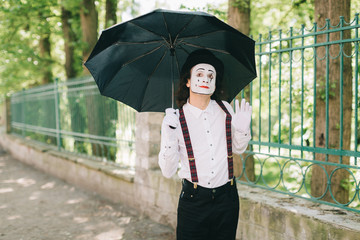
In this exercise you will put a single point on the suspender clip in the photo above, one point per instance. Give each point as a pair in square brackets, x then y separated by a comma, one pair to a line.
[195, 185]
[232, 181]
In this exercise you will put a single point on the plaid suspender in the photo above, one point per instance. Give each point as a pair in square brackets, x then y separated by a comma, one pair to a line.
[228, 139]
[190, 153]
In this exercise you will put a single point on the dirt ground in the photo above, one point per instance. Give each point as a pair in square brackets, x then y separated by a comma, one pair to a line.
[36, 206]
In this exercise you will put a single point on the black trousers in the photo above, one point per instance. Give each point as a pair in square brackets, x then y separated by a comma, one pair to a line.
[207, 214]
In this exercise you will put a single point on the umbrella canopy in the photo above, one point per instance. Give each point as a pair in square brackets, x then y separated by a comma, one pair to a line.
[138, 62]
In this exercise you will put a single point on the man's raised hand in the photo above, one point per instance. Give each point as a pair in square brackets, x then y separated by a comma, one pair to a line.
[242, 117]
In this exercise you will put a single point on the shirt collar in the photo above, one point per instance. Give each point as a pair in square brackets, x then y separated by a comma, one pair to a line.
[197, 111]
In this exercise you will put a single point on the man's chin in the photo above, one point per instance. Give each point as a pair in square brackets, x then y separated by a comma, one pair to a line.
[200, 93]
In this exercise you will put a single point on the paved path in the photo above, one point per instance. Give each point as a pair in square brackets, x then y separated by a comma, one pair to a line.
[36, 206]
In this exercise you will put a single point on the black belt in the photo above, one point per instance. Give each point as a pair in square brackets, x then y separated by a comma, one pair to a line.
[218, 190]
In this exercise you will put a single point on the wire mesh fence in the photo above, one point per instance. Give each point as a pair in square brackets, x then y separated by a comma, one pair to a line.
[74, 117]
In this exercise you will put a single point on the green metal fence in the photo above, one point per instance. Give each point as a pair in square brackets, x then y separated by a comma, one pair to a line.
[295, 74]
[74, 117]
[284, 155]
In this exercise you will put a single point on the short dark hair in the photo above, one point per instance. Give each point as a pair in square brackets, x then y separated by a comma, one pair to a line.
[194, 58]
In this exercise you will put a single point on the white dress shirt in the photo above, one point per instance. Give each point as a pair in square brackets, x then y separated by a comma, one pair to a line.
[208, 139]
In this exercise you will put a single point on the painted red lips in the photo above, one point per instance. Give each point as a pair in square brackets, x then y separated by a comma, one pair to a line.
[204, 87]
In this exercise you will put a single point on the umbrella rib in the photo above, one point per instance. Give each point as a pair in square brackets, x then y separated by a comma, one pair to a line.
[157, 65]
[172, 44]
[143, 55]
[212, 49]
[134, 43]
[149, 31]
[137, 58]
[177, 35]
[202, 35]
[167, 29]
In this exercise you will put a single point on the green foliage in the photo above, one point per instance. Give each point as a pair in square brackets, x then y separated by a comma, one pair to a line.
[220, 10]
[278, 14]
[345, 184]
[241, 4]
[23, 23]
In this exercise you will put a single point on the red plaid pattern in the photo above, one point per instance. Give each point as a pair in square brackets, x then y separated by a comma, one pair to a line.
[190, 153]
[228, 139]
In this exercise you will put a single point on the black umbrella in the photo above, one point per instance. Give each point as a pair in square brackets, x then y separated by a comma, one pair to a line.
[138, 62]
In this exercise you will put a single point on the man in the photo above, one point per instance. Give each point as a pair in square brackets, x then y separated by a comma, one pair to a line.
[202, 134]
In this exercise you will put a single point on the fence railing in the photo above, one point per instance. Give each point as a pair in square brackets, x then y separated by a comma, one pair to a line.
[305, 126]
[74, 117]
[296, 147]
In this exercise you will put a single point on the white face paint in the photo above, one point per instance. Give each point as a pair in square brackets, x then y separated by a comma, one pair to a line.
[203, 77]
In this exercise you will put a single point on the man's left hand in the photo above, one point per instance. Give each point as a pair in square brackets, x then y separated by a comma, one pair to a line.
[242, 117]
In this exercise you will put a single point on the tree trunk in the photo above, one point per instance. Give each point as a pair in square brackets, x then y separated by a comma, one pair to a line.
[46, 71]
[110, 19]
[332, 9]
[89, 25]
[78, 121]
[239, 18]
[45, 49]
[239, 15]
[70, 39]
[110, 15]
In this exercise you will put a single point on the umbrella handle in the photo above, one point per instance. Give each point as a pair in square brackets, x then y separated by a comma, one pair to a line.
[172, 51]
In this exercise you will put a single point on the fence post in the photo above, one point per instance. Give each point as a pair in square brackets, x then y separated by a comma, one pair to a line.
[23, 101]
[8, 114]
[57, 114]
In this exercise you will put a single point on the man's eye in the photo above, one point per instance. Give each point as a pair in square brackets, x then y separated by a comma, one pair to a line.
[199, 75]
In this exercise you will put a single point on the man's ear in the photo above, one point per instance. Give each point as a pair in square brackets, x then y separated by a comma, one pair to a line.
[188, 84]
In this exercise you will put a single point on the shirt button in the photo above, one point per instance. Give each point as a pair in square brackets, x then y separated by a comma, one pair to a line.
[204, 118]
[212, 159]
[208, 131]
[210, 145]
[208, 183]
[212, 172]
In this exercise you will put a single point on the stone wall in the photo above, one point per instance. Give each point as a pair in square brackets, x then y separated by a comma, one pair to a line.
[263, 214]
[155, 195]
